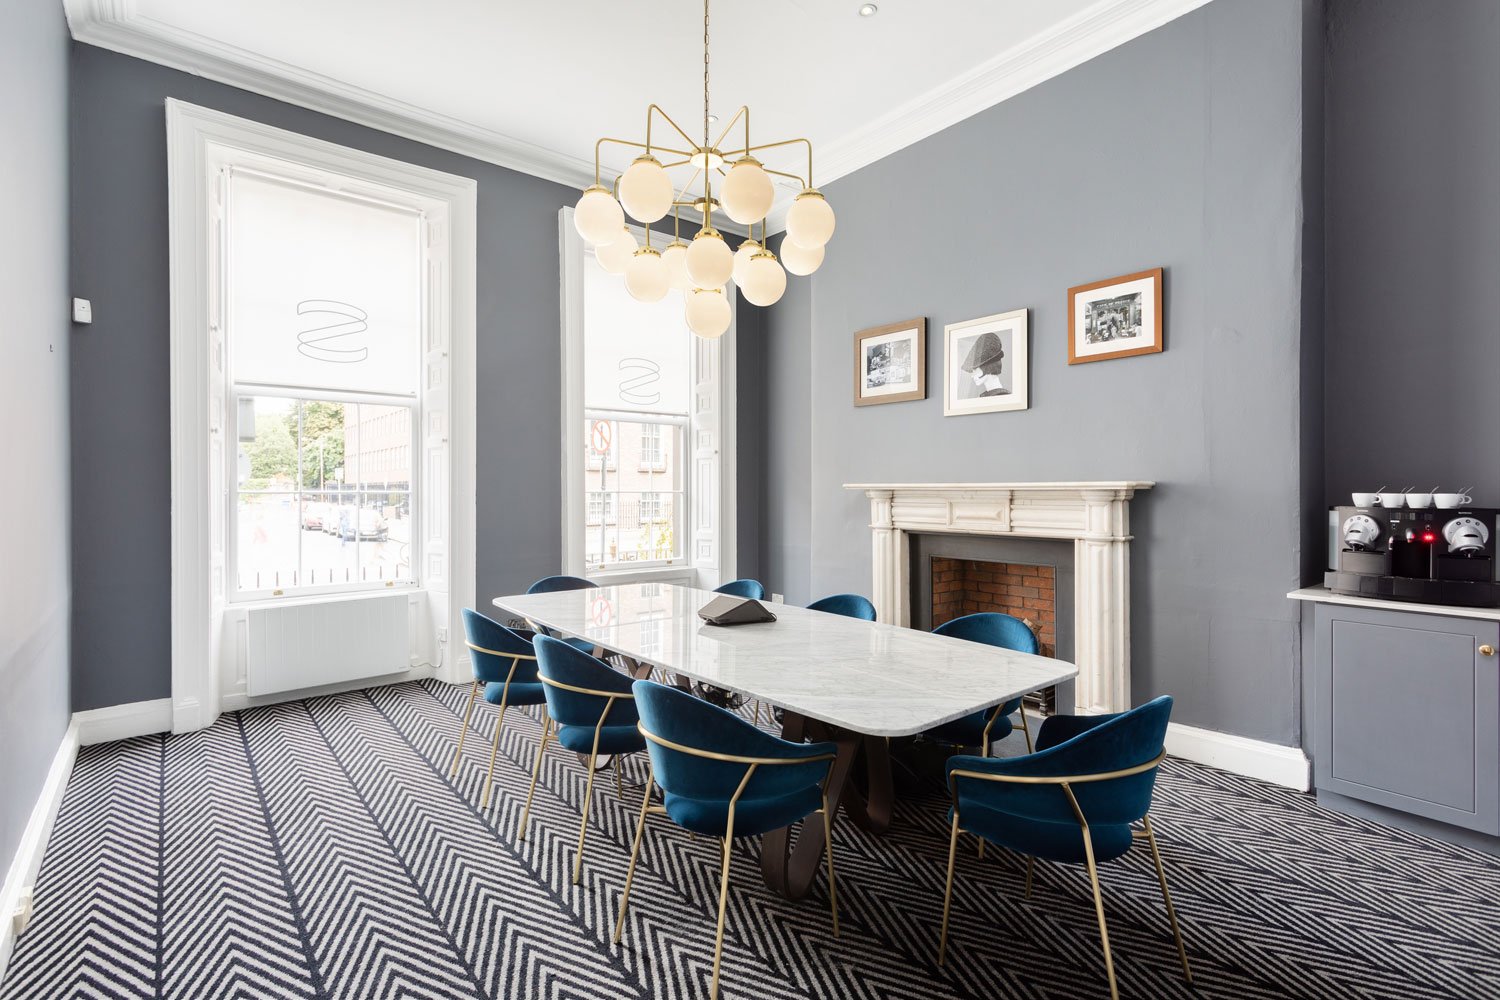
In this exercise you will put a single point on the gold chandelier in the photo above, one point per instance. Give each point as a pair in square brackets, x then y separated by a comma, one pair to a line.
[701, 269]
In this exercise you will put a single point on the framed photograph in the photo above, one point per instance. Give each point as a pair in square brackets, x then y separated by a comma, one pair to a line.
[1116, 318]
[890, 363]
[985, 365]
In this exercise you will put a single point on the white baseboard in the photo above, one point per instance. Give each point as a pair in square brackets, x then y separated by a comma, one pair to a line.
[1271, 762]
[121, 722]
[15, 898]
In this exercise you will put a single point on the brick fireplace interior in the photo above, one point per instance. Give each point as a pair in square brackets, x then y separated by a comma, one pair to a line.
[968, 586]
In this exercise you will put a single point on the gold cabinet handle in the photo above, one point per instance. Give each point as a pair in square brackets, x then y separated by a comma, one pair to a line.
[1486, 650]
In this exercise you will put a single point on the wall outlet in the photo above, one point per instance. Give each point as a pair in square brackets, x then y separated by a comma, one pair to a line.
[442, 633]
[777, 599]
[22, 914]
[83, 311]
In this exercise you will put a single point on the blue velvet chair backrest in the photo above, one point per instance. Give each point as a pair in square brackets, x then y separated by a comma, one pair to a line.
[848, 605]
[491, 635]
[558, 661]
[993, 629]
[554, 584]
[751, 589]
[687, 721]
[1077, 745]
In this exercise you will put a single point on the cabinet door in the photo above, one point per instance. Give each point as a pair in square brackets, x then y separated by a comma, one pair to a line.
[1409, 713]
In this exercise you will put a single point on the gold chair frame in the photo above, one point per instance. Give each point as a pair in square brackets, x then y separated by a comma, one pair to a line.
[753, 764]
[515, 661]
[984, 746]
[588, 793]
[1066, 782]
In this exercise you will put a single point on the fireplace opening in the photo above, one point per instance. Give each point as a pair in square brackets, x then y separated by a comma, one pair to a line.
[1022, 590]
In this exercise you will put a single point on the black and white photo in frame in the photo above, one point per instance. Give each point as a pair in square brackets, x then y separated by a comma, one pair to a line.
[890, 363]
[1115, 318]
[985, 367]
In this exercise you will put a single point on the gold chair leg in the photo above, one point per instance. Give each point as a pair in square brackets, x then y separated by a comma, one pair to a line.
[1026, 729]
[1109, 962]
[588, 798]
[713, 989]
[489, 778]
[536, 770]
[984, 751]
[635, 852]
[1161, 875]
[619, 782]
[1030, 864]
[948, 891]
[757, 713]
[464, 729]
[833, 889]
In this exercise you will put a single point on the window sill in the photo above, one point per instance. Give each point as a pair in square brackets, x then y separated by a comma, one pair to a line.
[609, 577]
[293, 600]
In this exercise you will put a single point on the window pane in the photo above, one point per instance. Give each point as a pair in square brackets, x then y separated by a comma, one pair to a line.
[633, 507]
[635, 354]
[266, 558]
[324, 291]
[377, 446]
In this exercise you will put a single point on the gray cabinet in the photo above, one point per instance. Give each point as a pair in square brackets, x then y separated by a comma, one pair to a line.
[1408, 713]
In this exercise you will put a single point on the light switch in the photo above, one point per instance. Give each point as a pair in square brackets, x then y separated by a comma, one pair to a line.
[83, 311]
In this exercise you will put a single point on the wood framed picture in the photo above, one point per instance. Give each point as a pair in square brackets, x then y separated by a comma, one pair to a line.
[890, 363]
[985, 365]
[1116, 318]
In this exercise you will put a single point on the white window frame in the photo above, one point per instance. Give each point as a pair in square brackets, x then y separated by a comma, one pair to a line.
[690, 569]
[196, 139]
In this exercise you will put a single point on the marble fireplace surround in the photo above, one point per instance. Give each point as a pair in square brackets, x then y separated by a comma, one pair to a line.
[1094, 515]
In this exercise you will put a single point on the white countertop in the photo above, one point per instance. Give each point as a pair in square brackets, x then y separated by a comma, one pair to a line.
[876, 679]
[1323, 595]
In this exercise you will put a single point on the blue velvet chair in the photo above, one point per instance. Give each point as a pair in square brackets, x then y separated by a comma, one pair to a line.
[558, 584]
[848, 605]
[1074, 799]
[505, 668]
[751, 589]
[982, 728]
[593, 709]
[722, 777]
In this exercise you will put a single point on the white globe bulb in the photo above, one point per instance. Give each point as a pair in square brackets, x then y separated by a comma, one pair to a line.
[709, 260]
[646, 275]
[675, 259]
[646, 190]
[597, 216]
[615, 255]
[799, 259]
[765, 281]
[746, 192]
[742, 256]
[810, 221]
[707, 312]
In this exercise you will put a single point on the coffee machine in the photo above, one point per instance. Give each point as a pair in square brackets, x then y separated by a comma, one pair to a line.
[1428, 556]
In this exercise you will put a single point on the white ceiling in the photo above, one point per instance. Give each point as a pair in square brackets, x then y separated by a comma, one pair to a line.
[532, 83]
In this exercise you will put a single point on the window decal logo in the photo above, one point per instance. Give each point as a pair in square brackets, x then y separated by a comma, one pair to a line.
[314, 343]
[635, 389]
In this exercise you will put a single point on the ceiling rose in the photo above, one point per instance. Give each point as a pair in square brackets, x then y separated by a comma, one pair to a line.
[722, 175]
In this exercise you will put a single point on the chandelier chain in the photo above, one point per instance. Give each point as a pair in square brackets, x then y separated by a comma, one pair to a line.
[705, 72]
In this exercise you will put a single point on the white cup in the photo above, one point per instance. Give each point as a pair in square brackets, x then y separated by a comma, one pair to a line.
[1365, 499]
[1448, 501]
[1419, 501]
[1393, 500]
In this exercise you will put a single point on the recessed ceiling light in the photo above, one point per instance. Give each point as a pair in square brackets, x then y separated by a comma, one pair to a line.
[867, 10]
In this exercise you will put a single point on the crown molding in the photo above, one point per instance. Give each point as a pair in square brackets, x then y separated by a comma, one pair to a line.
[118, 25]
[1089, 33]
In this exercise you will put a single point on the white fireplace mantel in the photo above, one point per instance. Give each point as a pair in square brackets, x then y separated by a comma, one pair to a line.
[1094, 515]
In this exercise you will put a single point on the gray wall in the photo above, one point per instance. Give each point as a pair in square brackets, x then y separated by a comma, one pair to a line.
[1413, 229]
[120, 365]
[1182, 148]
[34, 333]
[784, 495]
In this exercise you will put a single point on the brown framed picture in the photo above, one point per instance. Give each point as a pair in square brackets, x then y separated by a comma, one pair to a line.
[890, 363]
[1115, 318]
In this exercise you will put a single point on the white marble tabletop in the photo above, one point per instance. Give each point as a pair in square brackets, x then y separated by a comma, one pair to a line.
[876, 679]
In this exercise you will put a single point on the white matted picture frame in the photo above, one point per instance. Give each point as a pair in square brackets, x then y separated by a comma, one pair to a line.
[1116, 318]
[986, 364]
[890, 363]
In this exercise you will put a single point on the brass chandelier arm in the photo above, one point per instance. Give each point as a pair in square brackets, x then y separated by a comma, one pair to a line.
[677, 128]
[634, 145]
[789, 142]
[782, 173]
[743, 112]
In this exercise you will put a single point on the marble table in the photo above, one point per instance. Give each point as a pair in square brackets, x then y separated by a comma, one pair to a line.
[857, 683]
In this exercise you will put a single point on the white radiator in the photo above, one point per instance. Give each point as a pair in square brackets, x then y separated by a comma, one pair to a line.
[299, 646]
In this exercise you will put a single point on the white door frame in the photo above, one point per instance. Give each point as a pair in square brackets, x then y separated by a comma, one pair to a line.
[191, 131]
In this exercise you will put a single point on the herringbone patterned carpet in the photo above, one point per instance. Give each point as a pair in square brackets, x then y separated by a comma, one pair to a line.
[319, 849]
